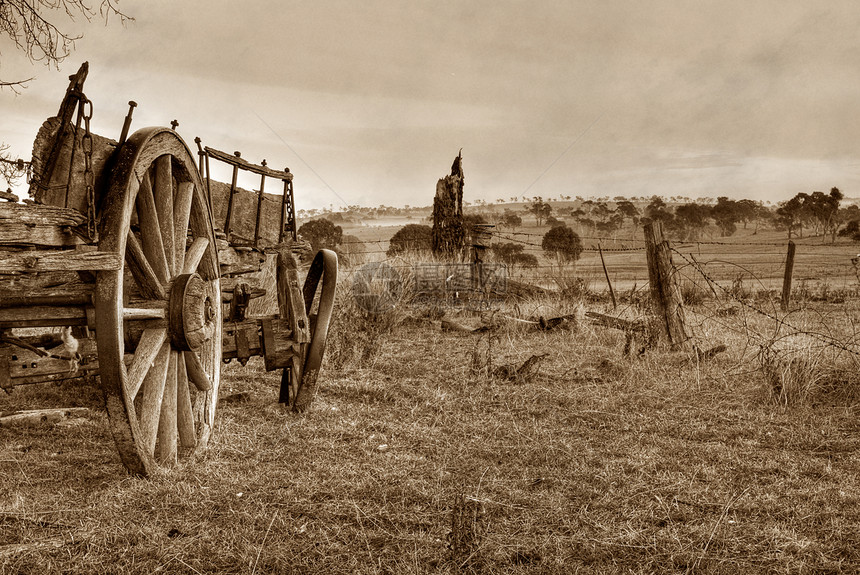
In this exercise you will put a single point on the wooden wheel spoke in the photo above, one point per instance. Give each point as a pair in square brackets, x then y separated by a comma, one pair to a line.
[151, 342]
[153, 395]
[165, 448]
[142, 313]
[181, 215]
[195, 254]
[196, 372]
[150, 230]
[164, 206]
[142, 270]
[184, 411]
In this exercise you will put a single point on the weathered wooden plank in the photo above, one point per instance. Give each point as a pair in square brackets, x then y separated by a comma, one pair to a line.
[38, 235]
[25, 283]
[244, 210]
[63, 297]
[83, 372]
[57, 260]
[24, 364]
[42, 316]
[38, 214]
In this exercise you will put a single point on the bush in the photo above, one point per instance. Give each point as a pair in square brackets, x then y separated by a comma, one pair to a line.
[562, 243]
[322, 234]
[410, 238]
[512, 254]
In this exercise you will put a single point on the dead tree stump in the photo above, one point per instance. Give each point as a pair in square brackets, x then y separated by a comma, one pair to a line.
[448, 233]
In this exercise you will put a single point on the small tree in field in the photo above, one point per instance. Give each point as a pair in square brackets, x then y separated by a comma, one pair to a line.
[513, 254]
[410, 238]
[562, 243]
[540, 209]
[322, 234]
[511, 220]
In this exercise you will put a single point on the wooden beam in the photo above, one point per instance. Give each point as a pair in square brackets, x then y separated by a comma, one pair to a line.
[58, 260]
[43, 316]
[246, 165]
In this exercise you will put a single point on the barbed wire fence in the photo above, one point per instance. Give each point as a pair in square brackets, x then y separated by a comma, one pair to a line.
[729, 287]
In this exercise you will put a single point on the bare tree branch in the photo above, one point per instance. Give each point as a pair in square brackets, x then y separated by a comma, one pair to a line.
[11, 170]
[28, 23]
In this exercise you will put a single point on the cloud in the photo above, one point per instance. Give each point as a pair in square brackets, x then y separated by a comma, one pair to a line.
[377, 97]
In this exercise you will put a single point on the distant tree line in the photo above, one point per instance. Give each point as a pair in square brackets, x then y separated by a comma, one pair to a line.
[816, 213]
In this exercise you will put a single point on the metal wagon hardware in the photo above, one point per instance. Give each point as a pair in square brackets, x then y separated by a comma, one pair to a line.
[138, 263]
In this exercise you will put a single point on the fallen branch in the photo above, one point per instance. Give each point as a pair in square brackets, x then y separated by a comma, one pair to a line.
[548, 324]
[41, 416]
[616, 322]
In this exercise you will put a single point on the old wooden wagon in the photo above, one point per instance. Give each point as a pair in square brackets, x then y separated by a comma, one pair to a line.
[130, 266]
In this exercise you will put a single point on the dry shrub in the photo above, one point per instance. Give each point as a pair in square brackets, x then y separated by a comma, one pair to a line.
[366, 310]
[792, 377]
[693, 293]
[809, 374]
[572, 285]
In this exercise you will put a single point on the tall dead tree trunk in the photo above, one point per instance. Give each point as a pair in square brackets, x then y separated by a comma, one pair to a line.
[448, 233]
[668, 306]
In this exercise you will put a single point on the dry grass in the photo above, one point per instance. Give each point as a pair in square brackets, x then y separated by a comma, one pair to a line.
[411, 462]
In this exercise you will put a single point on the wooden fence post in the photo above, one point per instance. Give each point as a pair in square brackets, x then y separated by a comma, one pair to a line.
[481, 236]
[786, 280]
[666, 298]
[606, 273]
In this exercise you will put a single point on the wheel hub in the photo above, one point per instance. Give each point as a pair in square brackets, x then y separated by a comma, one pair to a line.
[191, 312]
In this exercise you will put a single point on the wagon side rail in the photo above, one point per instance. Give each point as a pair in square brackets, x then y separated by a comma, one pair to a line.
[287, 219]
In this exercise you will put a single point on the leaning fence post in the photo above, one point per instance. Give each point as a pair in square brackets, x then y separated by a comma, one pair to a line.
[786, 280]
[666, 298]
[606, 273]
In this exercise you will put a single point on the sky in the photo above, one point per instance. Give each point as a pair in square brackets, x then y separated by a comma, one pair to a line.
[369, 102]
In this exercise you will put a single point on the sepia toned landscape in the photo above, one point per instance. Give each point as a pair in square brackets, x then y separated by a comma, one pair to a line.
[618, 333]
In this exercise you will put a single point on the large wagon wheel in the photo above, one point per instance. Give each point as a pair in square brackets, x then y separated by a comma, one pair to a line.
[310, 317]
[158, 319]
[323, 266]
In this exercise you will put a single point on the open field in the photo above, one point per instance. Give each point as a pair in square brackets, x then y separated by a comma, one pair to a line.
[413, 459]
[754, 258]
